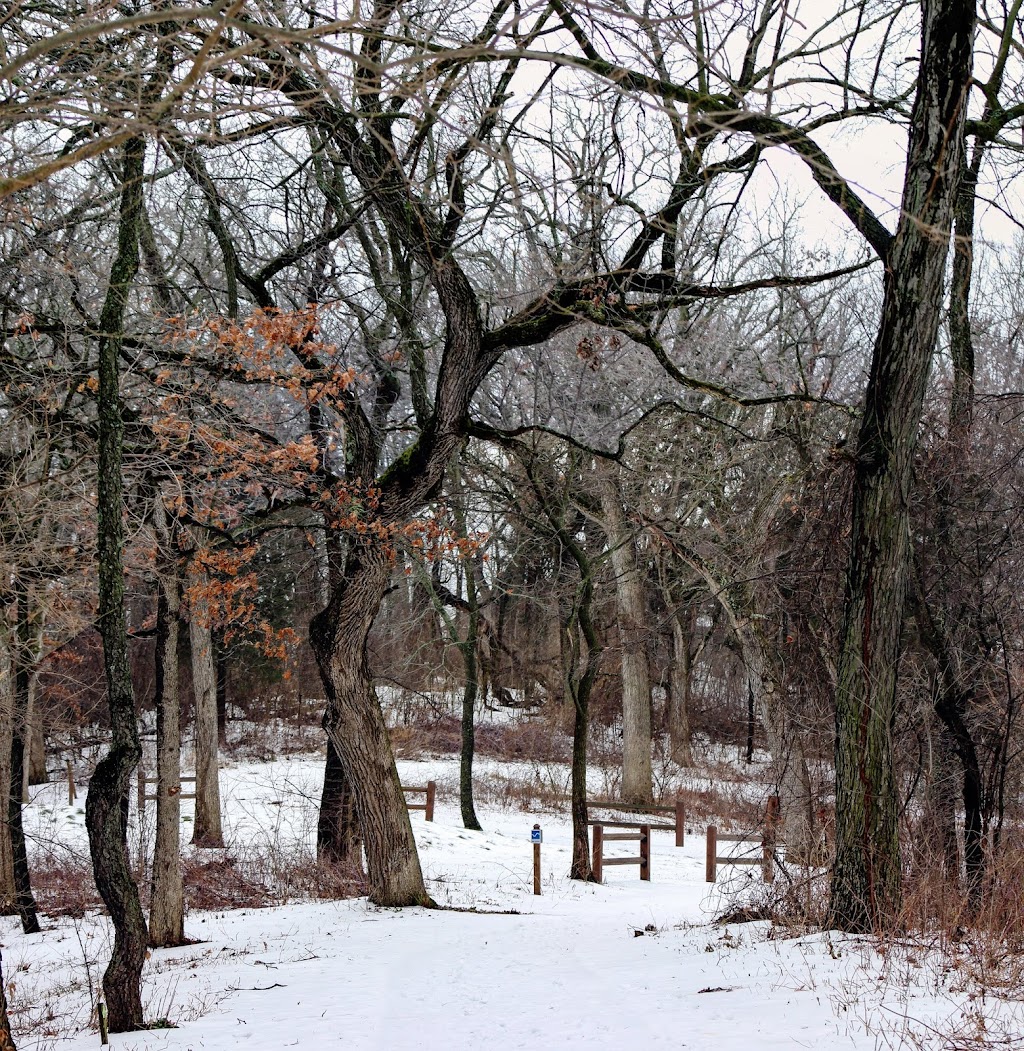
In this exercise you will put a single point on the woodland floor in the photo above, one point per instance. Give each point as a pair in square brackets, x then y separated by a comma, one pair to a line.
[624, 964]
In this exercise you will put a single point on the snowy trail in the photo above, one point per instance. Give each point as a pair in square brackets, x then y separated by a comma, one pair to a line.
[566, 971]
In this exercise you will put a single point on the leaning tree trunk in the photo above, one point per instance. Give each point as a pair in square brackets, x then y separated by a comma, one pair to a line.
[355, 724]
[106, 805]
[167, 900]
[207, 830]
[866, 876]
[632, 624]
[338, 839]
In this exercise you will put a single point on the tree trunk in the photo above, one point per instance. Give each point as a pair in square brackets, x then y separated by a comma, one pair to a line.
[581, 867]
[355, 723]
[167, 900]
[632, 623]
[22, 678]
[35, 739]
[6, 1039]
[468, 649]
[207, 831]
[679, 692]
[8, 894]
[940, 828]
[866, 876]
[220, 660]
[106, 805]
[337, 830]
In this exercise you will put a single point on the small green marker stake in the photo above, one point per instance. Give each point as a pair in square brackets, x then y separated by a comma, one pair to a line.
[101, 1012]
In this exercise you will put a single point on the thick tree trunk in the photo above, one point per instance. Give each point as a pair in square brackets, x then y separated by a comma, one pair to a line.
[355, 723]
[337, 830]
[207, 831]
[24, 898]
[632, 624]
[106, 805]
[167, 900]
[866, 876]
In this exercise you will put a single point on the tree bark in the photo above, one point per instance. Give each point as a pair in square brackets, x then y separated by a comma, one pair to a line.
[167, 899]
[35, 739]
[220, 660]
[581, 686]
[866, 876]
[24, 898]
[355, 724]
[337, 830]
[8, 893]
[679, 691]
[207, 831]
[468, 649]
[6, 1039]
[106, 805]
[632, 624]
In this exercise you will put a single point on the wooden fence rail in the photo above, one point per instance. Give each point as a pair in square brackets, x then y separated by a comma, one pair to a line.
[678, 809]
[768, 840]
[144, 794]
[430, 789]
[599, 861]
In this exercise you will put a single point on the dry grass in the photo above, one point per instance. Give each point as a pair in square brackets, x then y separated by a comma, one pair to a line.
[533, 739]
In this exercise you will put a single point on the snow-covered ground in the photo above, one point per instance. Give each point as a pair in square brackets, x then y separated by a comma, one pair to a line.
[625, 964]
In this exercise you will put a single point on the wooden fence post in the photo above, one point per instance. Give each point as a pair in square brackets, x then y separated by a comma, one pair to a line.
[645, 852]
[598, 857]
[431, 789]
[680, 822]
[711, 867]
[71, 784]
[142, 790]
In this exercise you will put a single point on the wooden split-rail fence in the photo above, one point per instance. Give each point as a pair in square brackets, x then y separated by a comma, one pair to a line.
[640, 833]
[767, 839]
[427, 806]
[145, 793]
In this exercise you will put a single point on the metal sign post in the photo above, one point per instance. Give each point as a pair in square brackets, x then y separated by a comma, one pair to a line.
[536, 838]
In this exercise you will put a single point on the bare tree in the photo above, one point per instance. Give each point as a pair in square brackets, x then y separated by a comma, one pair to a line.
[866, 882]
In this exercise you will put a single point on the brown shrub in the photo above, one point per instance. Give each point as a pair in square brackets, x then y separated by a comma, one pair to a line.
[63, 885]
